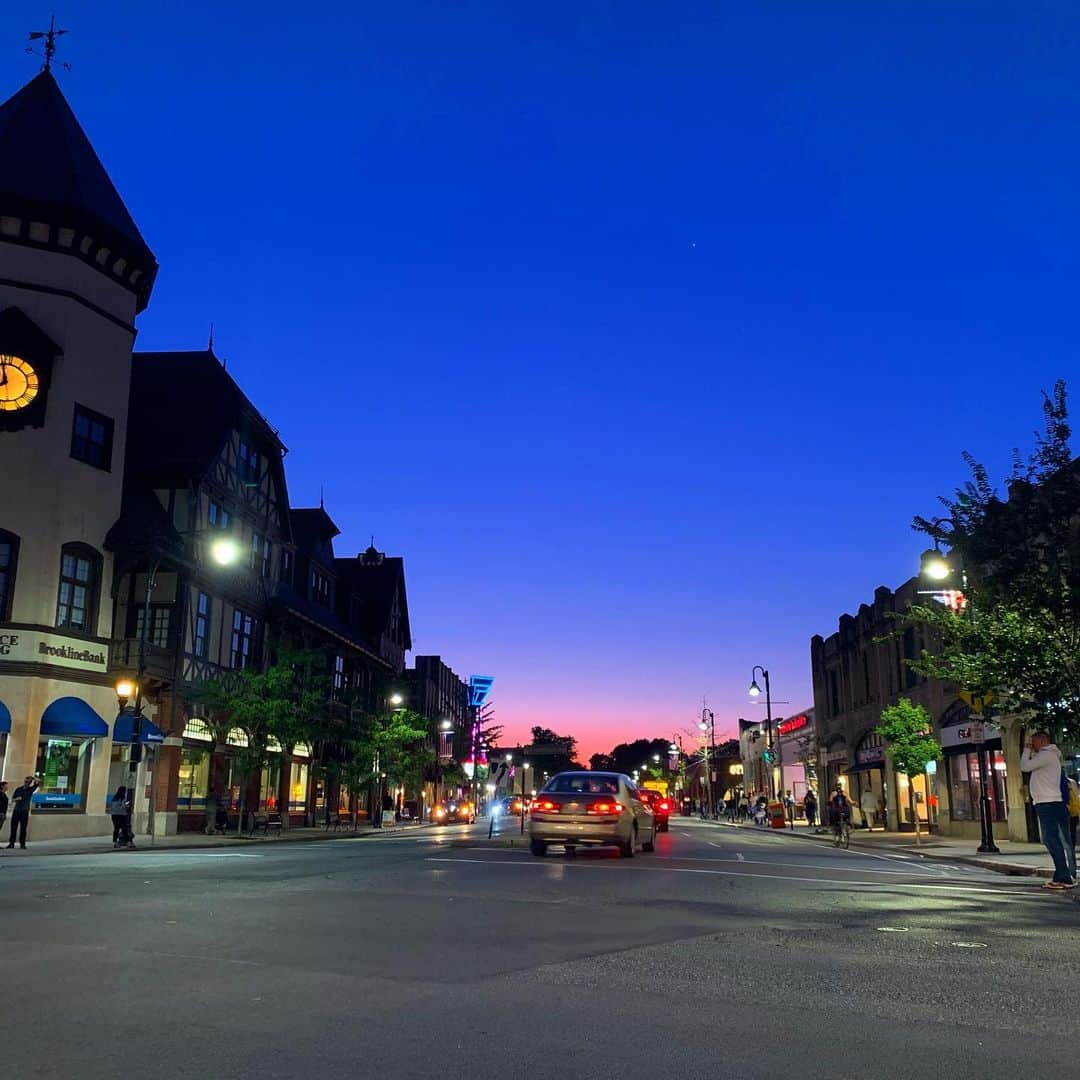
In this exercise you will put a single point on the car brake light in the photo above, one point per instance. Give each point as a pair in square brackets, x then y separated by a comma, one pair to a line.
[546, 806]
[605, 808]
[665, 805]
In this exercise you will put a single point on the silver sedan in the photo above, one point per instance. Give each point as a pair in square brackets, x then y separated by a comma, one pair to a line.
[576, 808]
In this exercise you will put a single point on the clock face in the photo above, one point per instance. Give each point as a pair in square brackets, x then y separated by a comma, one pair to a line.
[19, 383]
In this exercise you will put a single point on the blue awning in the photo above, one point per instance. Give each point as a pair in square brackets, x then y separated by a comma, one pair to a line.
[124, 728]
[5, 719]
[72, 716]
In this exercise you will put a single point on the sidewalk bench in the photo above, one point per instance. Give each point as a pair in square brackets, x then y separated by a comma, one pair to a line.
[335, 823]
[266, 822]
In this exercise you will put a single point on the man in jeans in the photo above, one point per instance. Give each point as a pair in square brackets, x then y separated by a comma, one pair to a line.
[1042, 760]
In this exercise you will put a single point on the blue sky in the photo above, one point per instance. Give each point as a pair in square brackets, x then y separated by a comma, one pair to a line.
[641, 331]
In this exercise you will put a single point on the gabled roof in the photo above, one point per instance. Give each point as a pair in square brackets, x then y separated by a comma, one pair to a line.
[311, 527]
[373, 580]
[51, 173]
[183, 408]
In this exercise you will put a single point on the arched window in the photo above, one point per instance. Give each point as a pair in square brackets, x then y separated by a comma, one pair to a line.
[9, 557]
[80, 585]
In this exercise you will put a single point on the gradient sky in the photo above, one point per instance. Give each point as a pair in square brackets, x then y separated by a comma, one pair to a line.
[641, 330]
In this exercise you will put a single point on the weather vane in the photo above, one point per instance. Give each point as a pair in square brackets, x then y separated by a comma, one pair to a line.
[49, 37]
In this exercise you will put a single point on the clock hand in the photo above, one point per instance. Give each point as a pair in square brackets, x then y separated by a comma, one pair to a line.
[3, 374]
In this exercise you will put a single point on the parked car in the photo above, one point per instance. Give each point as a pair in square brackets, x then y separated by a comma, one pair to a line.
[579, 808]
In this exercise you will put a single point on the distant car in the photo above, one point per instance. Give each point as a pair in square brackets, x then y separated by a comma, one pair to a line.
[454, 812]
[579, 808]
[465, 812]
[661, 807]
[510, 806]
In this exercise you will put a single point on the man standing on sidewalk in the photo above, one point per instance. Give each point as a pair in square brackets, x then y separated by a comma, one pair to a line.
[1042, 760]
[21, 798]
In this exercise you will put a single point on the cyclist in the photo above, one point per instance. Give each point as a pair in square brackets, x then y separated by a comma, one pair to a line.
[839, 810]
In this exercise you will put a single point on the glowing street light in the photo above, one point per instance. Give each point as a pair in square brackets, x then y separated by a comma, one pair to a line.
[225, 551]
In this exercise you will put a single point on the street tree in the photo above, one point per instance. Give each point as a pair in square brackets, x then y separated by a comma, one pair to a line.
[1017, 560]
[906, 730]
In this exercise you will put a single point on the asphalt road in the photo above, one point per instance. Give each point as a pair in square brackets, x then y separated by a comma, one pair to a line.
[727, 953]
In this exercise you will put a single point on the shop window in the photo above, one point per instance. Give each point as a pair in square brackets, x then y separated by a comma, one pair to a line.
[298, 782]
[964, 793]
[64, 765]
[194, 779]
[270, 785]
[80, 576]
[9, 554]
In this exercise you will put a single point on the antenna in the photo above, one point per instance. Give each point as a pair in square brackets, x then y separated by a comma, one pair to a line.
[210, 343]
[49, 37]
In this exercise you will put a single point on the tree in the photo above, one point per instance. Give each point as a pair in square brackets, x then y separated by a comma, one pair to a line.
[565, 746]
[602, 763]
[1019, 636]
[905, 729]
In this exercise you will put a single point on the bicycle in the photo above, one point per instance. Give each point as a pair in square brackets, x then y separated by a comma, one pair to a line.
[842, 833]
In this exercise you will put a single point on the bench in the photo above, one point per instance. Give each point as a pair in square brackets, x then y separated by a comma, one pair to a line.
[335, 822]
[266, 822]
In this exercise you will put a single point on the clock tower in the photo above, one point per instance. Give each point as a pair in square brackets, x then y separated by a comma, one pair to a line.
[75, 273]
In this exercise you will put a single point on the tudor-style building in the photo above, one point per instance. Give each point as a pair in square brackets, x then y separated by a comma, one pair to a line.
[75, 273]
[203, 465]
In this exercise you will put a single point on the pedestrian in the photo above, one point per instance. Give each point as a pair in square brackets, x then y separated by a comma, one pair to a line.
[810, 803]
[21, 798]
[744, 807]
[120, 812]
[3, 802]
[868, 804]
[1041, 759]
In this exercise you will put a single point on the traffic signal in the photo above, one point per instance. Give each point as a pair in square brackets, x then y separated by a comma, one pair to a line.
[769, 756]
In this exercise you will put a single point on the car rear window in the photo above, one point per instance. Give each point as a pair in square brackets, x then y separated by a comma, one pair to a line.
[583, 784]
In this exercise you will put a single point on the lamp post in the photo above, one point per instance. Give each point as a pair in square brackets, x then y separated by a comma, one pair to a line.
[754, 691]
[224, 551]
[708, 731]
[524, 770]
[936, 568]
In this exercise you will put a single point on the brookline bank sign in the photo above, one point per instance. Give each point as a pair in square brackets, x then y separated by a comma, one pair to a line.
[37, 647]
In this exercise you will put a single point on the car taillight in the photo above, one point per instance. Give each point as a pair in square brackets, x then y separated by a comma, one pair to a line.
[605, 808]
[546, 806]
[664, 805]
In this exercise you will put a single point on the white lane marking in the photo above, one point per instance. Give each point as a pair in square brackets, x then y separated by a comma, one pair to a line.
[802, 866]
[731, 873]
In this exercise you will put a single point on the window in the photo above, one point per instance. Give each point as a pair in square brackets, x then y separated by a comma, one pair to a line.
[194, 775]
[964, 788]
[260, 555]
[248, 464]
[339, 676]
[320, 588]
[9, 553]
[159, 625]
[286, 567]
[77, 600]
[92, 438]
[202, 624]
[217, 516]
[64, 766]
[198, 728]
[298, 783]
[270, 785]
[242, 651]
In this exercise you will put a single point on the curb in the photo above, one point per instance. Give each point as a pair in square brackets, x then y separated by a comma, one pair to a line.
[236, 841]
[1008, 869]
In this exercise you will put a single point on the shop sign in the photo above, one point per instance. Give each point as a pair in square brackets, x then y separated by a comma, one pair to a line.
[967, 734]
[58, 650]
[836, 755]
[870, 755]
[786, 727]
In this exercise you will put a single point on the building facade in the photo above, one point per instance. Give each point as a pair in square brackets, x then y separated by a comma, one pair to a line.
[859, 671]
[74, 274]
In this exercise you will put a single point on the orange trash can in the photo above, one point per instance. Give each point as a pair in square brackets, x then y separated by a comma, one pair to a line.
[777, 816]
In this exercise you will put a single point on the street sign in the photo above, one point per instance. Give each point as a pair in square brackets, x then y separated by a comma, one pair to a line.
[976, 732]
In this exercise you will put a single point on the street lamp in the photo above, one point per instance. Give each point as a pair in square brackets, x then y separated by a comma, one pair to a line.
[524, 769]
[708, 731]
[936, 567]
[755, 690]
[396, 699]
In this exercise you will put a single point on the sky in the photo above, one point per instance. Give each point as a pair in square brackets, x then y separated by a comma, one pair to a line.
[640, 330]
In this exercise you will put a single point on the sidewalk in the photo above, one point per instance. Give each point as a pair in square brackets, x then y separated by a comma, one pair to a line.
[97, 845]
[1014, 858]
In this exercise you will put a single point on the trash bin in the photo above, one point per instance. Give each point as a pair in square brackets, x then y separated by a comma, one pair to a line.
[777, 816]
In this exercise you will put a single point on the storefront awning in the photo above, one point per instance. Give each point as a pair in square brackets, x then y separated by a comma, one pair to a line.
[864, 766]
[5, 719]
[72, 716]
[124, 729]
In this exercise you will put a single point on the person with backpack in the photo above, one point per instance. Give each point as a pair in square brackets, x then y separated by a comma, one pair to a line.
[120, 812]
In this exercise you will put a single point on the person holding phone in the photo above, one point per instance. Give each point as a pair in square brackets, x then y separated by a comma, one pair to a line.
[1041, 760]
[21, 798]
